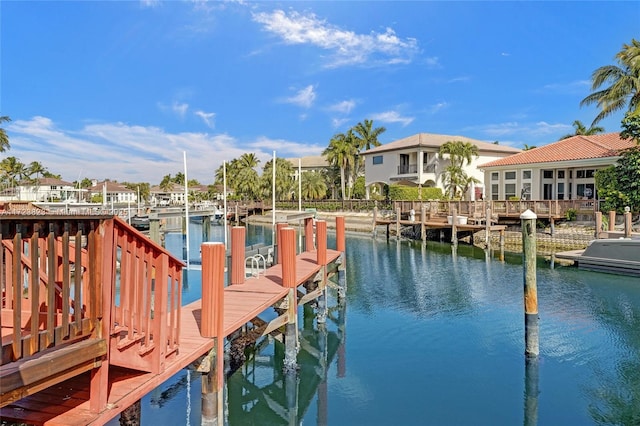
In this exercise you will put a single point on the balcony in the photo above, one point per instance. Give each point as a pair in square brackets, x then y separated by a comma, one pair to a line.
[407, 169]
[428, 168]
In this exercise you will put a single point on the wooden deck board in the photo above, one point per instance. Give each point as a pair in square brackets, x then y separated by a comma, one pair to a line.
[67, 403]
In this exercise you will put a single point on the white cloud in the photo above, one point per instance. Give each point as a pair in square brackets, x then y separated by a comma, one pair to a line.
[343, 107]
[347, 47]
[304, 98]
[572, 87]
[525, 131]
[180, 109]
[149, 3]
[207, 117]
[392, 117]
[433, 62]
[438, 107]
[133, 153]
[338, 122]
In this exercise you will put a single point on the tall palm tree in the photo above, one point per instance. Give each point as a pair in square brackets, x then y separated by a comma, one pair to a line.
[624, 80]
[36, 168]
[313, 186]
[284, 179]
[4, 139]
[582, 130]
[341, 152]
[459, 152]
[528, 147]
[366, 135]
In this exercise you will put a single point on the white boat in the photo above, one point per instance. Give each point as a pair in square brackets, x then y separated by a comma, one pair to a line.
[614, 255]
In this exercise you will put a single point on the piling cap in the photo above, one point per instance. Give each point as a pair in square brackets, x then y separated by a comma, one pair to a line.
[528, 214]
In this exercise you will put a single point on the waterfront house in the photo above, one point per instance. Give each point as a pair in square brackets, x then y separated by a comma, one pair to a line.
[171, 196]
[46, 189]
[113, 192]
[415, 161]
[562, 170]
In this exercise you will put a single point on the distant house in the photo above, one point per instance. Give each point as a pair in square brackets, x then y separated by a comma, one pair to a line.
[48, 189]
[113, 192]
[171, 196]
[312, 163]
[415, 161]
[562, 170]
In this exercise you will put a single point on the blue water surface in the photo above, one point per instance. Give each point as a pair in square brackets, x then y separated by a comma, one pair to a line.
[434, 335]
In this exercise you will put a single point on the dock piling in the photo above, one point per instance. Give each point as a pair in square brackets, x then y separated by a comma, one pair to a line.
[423, 227]
[528, 223]
[288, 246]
[612, 220]
[238, 236]
[487, 229]
[454, 226]
[598, 225]
[627, 222]
[321, 240]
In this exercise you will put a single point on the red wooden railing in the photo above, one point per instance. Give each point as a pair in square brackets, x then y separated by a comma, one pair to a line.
[67, 278]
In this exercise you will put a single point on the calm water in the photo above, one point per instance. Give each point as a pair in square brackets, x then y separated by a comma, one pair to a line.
[431, 336]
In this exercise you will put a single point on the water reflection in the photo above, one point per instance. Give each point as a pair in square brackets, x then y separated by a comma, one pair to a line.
[439, 332]
[260, 393]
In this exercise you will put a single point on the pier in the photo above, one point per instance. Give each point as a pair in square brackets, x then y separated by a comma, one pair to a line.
[92, 318]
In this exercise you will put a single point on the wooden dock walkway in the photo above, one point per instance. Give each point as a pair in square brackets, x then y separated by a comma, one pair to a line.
[70, 398]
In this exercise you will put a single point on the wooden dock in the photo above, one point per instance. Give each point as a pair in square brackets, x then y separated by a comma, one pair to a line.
[129, 361]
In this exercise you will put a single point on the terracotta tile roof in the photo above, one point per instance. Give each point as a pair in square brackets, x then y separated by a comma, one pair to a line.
[573, 148]
[432, 140]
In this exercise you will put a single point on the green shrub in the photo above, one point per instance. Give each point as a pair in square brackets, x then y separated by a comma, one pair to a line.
[571, 214]
[411, 193]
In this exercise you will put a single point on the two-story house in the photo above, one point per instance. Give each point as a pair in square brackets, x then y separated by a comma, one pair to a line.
[562, 170]
[49, 189]
[416, 161]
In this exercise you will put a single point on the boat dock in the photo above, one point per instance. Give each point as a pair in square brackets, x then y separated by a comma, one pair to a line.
[85, 366]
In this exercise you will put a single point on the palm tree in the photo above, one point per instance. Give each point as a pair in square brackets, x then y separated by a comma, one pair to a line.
[454, 178]
[528, 147]
[4, 139]
[582, 130]
[366, 135]
[284, 179]
[341, 152]
[624, 80]
[313, 186]
[36, 168]
[166, 184]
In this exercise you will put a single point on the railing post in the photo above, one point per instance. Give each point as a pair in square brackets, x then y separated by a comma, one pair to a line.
[238, 234]
[598, 225]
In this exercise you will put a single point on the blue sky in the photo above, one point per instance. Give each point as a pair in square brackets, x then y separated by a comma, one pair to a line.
[120, 89]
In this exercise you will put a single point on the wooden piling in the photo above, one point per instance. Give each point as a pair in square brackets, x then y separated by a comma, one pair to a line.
[598, 225]
[212, 324]
[398, 217]
[308, 234]
[627, 223]
[375, 220]
[288, 249]
[529, 249]
[321, 242]
[487, 229]
[423, 220]
[154, 228]
[340, 234]
[612, 220]
[238, 237]
[206, 228]
[279, 227]
[552, 226]
[454, 227]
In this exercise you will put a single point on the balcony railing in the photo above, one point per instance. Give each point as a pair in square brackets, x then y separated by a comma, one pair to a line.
[406, 169]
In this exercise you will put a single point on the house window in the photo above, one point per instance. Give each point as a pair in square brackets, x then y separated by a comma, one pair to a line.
[377, 159]
[560, 190]
[590, 173]
[509, 190]
[526, 174]
[509, 175]
[585, 190]
[526, 191]
[560, 174]
[494, 191]
[547, 174]
[495, 176]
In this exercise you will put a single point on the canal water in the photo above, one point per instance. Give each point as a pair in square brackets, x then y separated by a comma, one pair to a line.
[433, 335]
